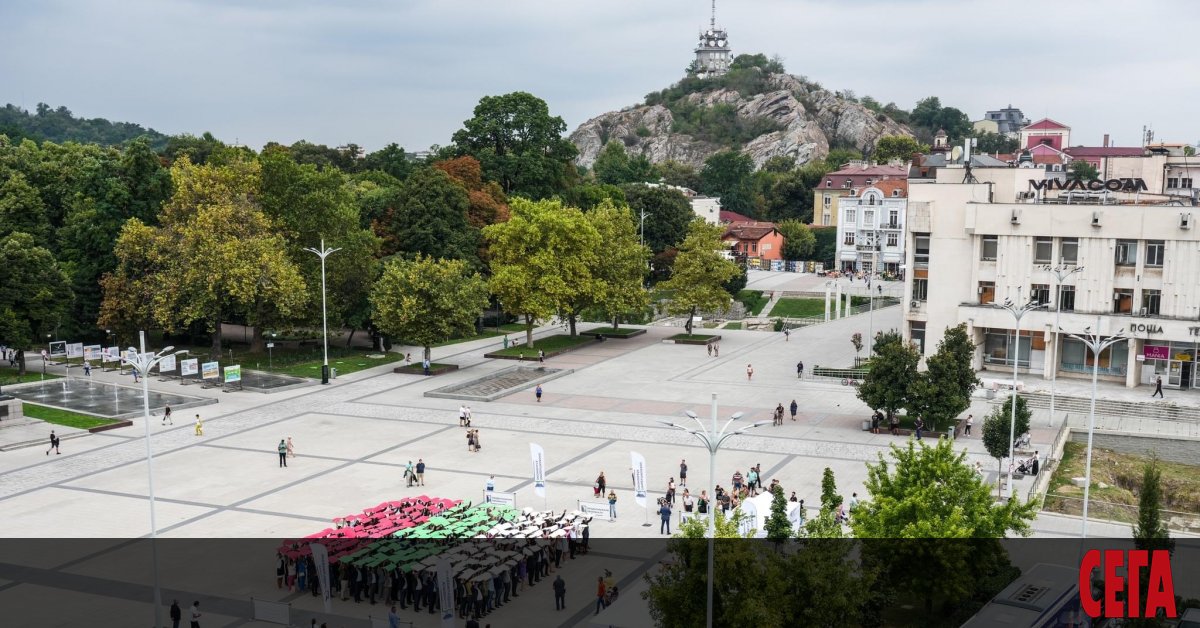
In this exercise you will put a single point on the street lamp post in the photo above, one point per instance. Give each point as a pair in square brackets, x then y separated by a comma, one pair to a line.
[323, 253]
[712, 440]
[1093, 342]
[143, 362]
[271, 353]
[1060, 272]
[1018, 312]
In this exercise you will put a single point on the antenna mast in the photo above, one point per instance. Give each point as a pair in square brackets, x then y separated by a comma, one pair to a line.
[712, 23]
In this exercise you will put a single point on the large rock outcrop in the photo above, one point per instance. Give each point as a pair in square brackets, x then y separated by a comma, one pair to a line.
[809, 119]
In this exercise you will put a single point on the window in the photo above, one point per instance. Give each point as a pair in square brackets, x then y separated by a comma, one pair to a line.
[753, 247]
[847, 183]
[1070, 251]
[1126, 253]
[894, 219]
[1172, 182]
[851, 216]
[1154, 252]
[1123, 301]
[1066, 298]
[1151, 301]
[828, 183]
[1040, 293]
[896, 192]
[920, 290]
[1185, 183]
[921, 250]
[987, 252]
[828, 200]
[825, 218]
[1043, 250]
[917, 335]
[869, 218]
[893, 238]
[998, 347]
[987, 292]
[849, 239]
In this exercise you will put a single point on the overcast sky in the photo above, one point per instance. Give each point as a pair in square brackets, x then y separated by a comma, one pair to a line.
[410, 71]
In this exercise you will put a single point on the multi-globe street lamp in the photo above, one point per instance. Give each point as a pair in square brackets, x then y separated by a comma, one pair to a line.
[1060, 272]
[323, 253]
[1018, 312]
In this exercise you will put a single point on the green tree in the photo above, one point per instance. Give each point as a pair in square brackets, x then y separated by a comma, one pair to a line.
[620, 269]
[728, 175]
[390, 159]
[988, 142]
[944, 390]
[542, 260]
[613, 165]
[891, 147]
[22, 210]
[1083, 170]
[520, 145]
[839, 157]
[830, 499]
[1150, 532]
[35, 294]
[586, 195]
[699, 271]
[926, 112]
[893, 367]
[999, 429]
[778, 526]
[798, 240]
[668, 214]
[426, 301]
[673, 172]
[430, 217]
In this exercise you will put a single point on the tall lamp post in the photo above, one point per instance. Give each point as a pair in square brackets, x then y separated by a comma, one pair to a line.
[143, 362]
[712, 440]
[1093, 342]
[1060, 272]
[1018, 312]
[323, 253]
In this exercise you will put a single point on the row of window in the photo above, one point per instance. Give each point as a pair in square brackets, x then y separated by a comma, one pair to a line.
[851, 217]
[1151, 304]
[893, 239]
[1179, 182]
[1068, 251]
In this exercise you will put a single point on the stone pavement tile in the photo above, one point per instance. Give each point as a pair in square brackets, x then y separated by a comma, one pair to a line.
[588, 402]
[242, 524]
[64, 513]
[337, 436]
[43, 605]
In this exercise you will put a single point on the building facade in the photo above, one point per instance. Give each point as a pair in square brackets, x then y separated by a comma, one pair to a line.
[840, 183]
[1047, 132]
[713, 55]
[974, 245]
[754, 241]
[1007, 121]
[870, 236]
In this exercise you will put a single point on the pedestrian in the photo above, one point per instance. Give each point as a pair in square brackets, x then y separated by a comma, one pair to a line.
[468, 416]
[291, 450]
[420, 471]
[665, 513]
[1157, 387]
[462, 415]
[683, 473]
[470, 441]
[752, 478]
[505, 341]
[393, 618]
[1033, 469]
[787, 334]
[918, 425]
[53, 444]
[491, 484]
[688, 502]
[176, 614]
[800, 370]
[135, 375]
[560, 593]
[853, 503]
[409, 474]
[794, 407]
[671, 490]
[717, 350]
[425, 365]
[282, 453]
[167, 416]
[541, 356]
[612, 505]
[538, 393]
[709, 347]
[87, 369]
[196, 614]
[599, 594]
[895, 423]
[199, 426]
[779, 414]
[478, 445]
[793, 497]
[408, 358]
[601, 482]
[749, 372]
[970, 422]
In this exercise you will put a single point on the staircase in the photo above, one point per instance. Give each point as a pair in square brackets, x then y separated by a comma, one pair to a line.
[1106, 407]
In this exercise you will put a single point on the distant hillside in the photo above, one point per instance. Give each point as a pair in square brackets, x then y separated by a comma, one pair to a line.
[755, 108]
[59, 125]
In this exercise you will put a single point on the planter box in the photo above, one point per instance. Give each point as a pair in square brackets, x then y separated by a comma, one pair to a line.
[417, 369]
[531, 355]
[703, 339]
[609, 335]
[110, 426]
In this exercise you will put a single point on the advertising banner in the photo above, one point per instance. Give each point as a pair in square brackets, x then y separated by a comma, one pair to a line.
[749, 521]
[75, 350]
[190, 366]
[594, 509]
[503, 499]
[91, 353]
[209, 370]
[233, 373]
[1156, 352]
[321, 557]
[639, 478]
[539, 469]
[445, 586]
[167, 364]
[112, 354]
[58, 349]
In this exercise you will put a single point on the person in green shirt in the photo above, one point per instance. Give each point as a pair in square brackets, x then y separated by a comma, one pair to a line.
[282, 453]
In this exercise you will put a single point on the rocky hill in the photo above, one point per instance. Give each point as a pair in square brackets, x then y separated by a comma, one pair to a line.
[776, 115]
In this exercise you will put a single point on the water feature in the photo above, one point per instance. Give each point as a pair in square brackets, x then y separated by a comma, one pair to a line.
[99, 398]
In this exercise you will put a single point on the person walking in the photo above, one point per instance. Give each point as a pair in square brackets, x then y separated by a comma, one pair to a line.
[425, 365]
[409, 474]
[560, 593]
[196, 614]
[918, 425]
[491, 484]
[787, 334]
[53, 444]
[167, 416]
[970, 422]
[779, 414]
[665, 513]
[393, 618]
[671, 490]
[612, 505]
[599, 595]
[538, 393]
[199, 426]
[1157, 387]
[471, 441]
[87, 369]
[291, 450]
[420, 471]
[282, 453]
[505, 341]
[135, 375]
[894, 423]
[601, 482]
[717, 350]
[541, 356]
[468, 416]
[800, 370]
[176, 614]
[683, 473]
[709, 347]
[749, 372]
[462, 415]
[478, 445]
[794, 407]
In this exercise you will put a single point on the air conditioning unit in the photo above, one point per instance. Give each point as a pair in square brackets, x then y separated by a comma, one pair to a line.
[1185, 221]
[1016, 217]
[1095, 219]
[912, 305]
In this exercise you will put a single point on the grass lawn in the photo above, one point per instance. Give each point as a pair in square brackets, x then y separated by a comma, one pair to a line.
[487, 333]
[620, 331]
[753, 300]
[548, 344]
[736, 325]
[1121, 474]
[64, 417]
[9, 376]
[799, 308]
[692, 336]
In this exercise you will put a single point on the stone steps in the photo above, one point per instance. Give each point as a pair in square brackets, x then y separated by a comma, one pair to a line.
[1108, 407]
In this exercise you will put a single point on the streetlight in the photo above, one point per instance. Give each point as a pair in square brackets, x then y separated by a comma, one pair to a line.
[1018, 311]
[270, 353]
[712, 440]
[1060, 272]
[1092, 341]
[143, 362]
[323, 253]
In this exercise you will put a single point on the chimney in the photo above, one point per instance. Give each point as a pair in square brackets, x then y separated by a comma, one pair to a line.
[1106, 140]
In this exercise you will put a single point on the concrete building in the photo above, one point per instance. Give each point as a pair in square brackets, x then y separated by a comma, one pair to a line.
[754, 242]
[870, 237]
[972, 245]
[1007, 121]
[1045, 131]
[713, 55]
[839, 184]
[705, 207]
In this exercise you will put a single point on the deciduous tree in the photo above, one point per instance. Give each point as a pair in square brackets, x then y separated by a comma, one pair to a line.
[35, 294]
[897, 147]
[997, 428]
[668, 214]
[699, 272]
[893, 368]
[943, 390]
[426, 301]
[728, 174]
[620, 265]
[798, 240]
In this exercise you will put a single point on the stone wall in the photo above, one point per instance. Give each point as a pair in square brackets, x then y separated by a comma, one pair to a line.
[1173, 449]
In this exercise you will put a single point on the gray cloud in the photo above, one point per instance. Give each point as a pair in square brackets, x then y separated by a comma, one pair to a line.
[374, 72]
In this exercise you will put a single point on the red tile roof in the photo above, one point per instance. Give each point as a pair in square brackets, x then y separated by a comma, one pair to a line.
[893, 171]
[887, 185]
[730, 216]
[1047, 159]
[750, 230]
[1045, 123]
[1105, 151]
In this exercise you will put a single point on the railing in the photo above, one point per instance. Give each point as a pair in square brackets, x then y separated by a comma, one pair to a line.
[839, 374]
[987, 359]
[1087, 368]
[1118, 513]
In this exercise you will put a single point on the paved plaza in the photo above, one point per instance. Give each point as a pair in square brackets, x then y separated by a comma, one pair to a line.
[354, 437]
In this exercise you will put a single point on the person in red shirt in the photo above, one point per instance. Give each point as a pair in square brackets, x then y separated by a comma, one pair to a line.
[599, 594]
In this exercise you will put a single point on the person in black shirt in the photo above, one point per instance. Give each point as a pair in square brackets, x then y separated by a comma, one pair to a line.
[176, 614]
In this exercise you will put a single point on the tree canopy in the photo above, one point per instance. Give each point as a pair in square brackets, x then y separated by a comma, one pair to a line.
[35, 294]
[699, 272]
[668, 214]
[425, 301]
[729, 175]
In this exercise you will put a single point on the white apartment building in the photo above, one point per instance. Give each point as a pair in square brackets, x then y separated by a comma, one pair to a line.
[870, 237]
[976, 243]
[707, 208]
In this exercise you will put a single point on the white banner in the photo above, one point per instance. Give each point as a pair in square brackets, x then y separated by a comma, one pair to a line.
[595, 509]
[639, 478]
[749, 521]
[92, 353]
[445, 584]
[167, 364]
[501, 499]
[112, 354]
[58, 349]
[190, 366]
[795, 514]
[75, 350]
[539, 469]
[321, 557]
[130, 356]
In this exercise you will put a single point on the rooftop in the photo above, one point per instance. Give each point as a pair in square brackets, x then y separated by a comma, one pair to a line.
[750, 230]
[874, 170]
[1045, 123]
[1105, 151]
[731, 216]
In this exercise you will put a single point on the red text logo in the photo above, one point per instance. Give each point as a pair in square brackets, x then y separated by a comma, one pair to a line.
[1160, 592]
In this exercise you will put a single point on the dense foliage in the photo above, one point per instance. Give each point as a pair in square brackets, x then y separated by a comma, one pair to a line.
[60, 125]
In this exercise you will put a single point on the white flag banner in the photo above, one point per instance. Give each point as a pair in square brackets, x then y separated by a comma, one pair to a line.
[321, 557]
[539, 469]
[167, 364]
[445, 583]
[639, 478]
